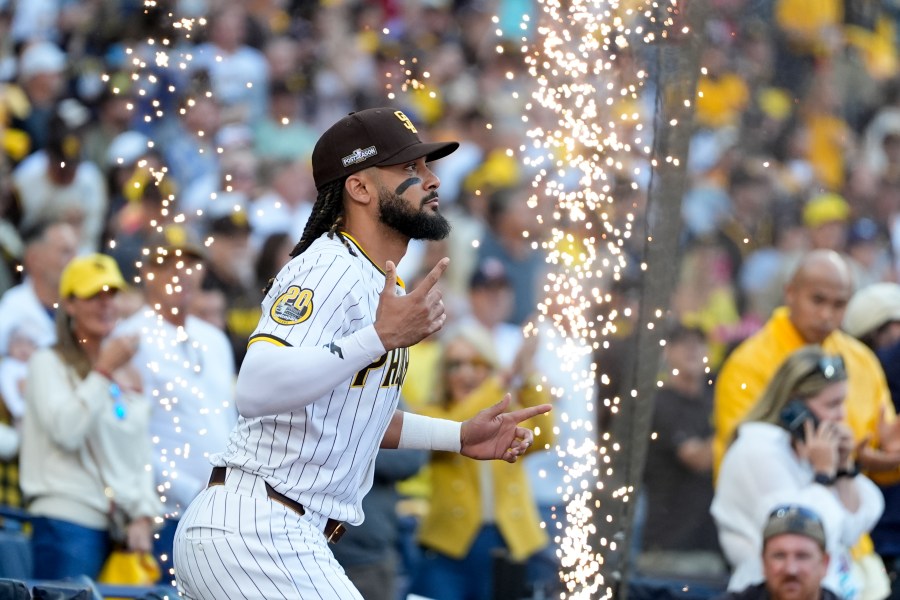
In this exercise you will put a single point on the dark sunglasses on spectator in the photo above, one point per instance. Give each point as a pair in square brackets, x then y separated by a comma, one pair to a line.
[794, 510]
[831, 367]
[795, 519]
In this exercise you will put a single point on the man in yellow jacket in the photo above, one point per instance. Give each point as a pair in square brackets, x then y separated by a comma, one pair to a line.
[816, 297]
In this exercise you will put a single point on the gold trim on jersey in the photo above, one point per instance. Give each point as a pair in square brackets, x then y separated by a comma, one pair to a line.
[267, 337]
[293, 306]
[381, 269]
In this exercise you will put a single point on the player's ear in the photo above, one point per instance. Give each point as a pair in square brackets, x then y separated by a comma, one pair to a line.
[360, 188]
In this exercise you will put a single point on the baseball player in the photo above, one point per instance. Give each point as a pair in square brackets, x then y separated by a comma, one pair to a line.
[319, 386]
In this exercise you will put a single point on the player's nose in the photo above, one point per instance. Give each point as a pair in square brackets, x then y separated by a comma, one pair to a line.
[430, 181]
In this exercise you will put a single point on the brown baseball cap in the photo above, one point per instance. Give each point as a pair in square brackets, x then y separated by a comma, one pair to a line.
[368, 138]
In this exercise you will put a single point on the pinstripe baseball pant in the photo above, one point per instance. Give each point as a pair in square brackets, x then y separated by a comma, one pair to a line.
[235, 542]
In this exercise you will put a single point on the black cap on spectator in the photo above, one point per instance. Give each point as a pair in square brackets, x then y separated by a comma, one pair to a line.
[679, 332]
[490, 272]
[861, 231]
[233, 223]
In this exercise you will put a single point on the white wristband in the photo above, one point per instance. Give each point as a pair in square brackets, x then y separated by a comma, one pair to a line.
[427, 433]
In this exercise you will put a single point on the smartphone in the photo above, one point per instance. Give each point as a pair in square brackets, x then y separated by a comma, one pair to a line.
[794, 414]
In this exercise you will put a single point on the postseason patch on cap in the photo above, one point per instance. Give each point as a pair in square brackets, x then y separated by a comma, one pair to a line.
[359, 155]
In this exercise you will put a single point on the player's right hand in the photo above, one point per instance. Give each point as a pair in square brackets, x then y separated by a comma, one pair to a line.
[402, 321]
[495, 434]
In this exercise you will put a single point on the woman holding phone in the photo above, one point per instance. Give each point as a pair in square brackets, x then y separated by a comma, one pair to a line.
[794, 446]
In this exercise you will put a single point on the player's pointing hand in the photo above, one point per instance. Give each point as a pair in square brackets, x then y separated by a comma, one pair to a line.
[402, 321]
[494, 434]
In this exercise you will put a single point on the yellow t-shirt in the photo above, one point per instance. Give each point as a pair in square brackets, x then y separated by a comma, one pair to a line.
[804, 21]
[721, 101]
[828, 136]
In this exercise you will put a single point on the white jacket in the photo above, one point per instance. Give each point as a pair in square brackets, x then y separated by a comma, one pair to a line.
[78, 451]
[760, 471]
[9, 442]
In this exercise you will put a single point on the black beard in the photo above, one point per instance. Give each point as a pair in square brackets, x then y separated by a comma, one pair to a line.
[395, 212]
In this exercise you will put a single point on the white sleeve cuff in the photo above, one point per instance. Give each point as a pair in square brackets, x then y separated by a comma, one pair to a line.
[427, 433]
[369, 343]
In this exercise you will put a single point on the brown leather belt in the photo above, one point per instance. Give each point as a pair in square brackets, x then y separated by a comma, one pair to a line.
[333, 529]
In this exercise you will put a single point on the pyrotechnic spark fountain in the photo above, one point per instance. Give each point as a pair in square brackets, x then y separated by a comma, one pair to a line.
[591, 150]
[588, 144]
[590, 154]
[588, 141]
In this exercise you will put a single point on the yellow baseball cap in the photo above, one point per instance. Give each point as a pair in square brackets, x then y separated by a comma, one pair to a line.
[825, 208]
[87, 276]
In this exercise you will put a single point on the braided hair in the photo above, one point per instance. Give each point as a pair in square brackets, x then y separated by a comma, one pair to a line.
[327, 215]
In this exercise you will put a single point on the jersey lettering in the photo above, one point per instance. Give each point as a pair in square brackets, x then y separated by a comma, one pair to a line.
[293, 306]
[395, 372]
[359, 380]
[397, 361]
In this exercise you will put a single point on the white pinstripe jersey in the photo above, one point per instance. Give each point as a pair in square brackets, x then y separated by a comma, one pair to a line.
[322, 455]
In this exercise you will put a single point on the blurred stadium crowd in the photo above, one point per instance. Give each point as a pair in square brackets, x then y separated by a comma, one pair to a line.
[118, 116]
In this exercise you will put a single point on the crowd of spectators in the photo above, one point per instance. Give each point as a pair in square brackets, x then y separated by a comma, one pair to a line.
[117, 118]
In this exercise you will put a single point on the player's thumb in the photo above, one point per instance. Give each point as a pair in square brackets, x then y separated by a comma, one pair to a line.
[390, 279]
[500, 407]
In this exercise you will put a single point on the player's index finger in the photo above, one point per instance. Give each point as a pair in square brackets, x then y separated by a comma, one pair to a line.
[434, 276]
[523, 414]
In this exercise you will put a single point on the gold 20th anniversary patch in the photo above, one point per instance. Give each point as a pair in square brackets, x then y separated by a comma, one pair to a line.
[294, 306]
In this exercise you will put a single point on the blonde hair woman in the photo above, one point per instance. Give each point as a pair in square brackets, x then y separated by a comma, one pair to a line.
[85, 457]
[477, 509]
[795, 446]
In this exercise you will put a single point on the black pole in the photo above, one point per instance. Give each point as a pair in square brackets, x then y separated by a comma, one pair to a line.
[677, 71]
